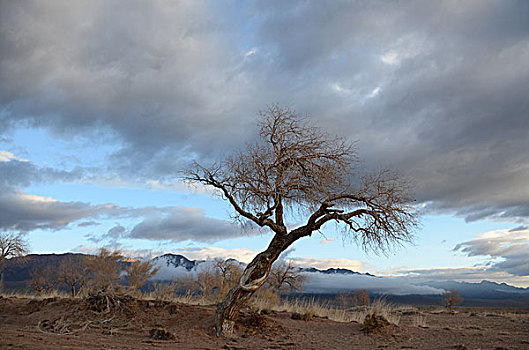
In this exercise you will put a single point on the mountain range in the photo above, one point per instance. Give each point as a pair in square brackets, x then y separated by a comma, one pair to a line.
[326, 282]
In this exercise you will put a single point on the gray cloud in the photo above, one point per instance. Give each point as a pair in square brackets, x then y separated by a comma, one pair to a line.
[519, 228]
[511, 248]
[18, 173]
[88, 223]
[438, 89]
[25, 212]
[179, 224]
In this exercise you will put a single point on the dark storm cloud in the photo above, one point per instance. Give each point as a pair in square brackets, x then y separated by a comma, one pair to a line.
[437, 89]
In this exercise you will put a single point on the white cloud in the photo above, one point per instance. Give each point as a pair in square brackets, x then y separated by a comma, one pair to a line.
[406, 47]
[34, 198]
[508, 250]
[390, 57]
[327, 240]
[8, 156]
[250, 52]
[375, 92]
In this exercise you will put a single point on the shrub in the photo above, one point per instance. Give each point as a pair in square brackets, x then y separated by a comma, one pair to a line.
[361, 297]
[379, 315]
[138, 272]
[451, 298]
[105, 269]
[73, 273]
[43, 280]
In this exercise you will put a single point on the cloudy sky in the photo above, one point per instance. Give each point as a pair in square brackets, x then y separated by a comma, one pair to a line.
[104, 103]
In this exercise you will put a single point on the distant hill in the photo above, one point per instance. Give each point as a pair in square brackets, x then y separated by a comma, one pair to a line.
[17, 271]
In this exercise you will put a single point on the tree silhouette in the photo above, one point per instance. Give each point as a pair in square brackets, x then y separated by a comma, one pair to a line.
[11, 246]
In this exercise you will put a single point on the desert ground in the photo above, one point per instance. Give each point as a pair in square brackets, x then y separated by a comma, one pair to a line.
[128, 323]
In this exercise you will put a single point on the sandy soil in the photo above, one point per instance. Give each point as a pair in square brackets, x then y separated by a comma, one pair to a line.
[138, 324]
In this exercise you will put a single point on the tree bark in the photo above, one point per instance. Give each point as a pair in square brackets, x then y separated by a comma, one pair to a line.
[254, 276]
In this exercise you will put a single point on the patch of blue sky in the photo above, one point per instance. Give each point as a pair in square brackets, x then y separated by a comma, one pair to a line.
[46, 150]
[131, 197]
[432, 246]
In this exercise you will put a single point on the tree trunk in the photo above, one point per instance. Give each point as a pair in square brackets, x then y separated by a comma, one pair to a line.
[254, 276]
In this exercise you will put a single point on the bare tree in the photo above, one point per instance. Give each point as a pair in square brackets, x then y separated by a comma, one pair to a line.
[104, 269]
[451, 298]
[73, 273]
[296, 166]
[11, 246]
[209, 281]
[230, 274]
[43, 280]
[138, 272]
[345, 299]
[285, 277]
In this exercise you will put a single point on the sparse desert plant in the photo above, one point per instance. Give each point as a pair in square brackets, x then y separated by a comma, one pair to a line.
[265, 299]
[43, 280]
[419, 320]
[374, 322]
[361, 297]
[161, 334]
[451, 298]
[285, 277]
[175, 292]
[164, 290]
[319, 309]
[345, 300]
[73, 273]
[378, 315]
[104, 269]
[187, 285]
[138, 272]
[230, 274]
[209, 283]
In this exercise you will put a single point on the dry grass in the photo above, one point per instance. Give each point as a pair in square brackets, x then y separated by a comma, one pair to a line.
[326, 310]
[384, 309]
[305, 307]
[419, 321]
[187, 298]
[33, 296]
[308, 308]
